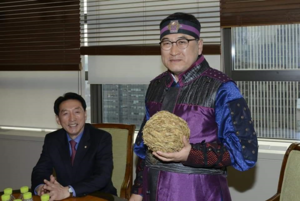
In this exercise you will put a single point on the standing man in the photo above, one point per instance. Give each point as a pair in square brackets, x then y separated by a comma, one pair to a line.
[80, 155]
[221, 129]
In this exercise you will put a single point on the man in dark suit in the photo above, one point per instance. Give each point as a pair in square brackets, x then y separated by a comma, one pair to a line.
[80, 155]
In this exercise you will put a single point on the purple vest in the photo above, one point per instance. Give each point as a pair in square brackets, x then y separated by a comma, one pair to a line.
[193, 100]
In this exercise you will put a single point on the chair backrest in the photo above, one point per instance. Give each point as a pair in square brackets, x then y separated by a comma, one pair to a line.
[122, 140]
[289, 185]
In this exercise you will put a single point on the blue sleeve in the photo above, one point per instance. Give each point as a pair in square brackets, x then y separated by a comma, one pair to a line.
[73, 190]
[35, 190]
[235, 127]
[139, 147]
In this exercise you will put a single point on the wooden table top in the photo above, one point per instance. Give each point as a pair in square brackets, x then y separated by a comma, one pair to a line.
[85, 198]
[93, 197]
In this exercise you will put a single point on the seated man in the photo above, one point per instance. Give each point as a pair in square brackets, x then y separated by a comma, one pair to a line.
[80, 155]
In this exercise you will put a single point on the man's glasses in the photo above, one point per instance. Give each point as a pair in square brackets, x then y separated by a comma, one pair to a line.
[180, 43]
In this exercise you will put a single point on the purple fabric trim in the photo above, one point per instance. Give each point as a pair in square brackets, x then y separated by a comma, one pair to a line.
[213, 73]
[153, 107]
[177, 100]
[170, 84]
[190, 28]
[201, 122]
[198, 62]
[192, 187]
[161, 75]
[184, 27]
[164, 29]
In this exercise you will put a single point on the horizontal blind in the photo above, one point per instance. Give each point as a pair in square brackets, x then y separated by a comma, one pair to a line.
[273, 47]
[273, 100]
[136, 22]
[39, 35]
[275, 108]
[254, 12]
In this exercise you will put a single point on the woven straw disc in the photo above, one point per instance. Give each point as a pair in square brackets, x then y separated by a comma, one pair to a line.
[164, 131]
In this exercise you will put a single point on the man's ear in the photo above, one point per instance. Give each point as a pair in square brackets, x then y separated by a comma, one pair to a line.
[200, 46]
[85, 115]
[57, 120]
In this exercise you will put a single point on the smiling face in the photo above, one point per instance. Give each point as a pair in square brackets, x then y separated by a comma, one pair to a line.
[71, 117]
[178, 60]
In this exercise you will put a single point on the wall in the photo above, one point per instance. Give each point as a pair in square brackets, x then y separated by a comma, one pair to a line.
[258, 183]
[131, 69]
[20, 151]
[27, 97]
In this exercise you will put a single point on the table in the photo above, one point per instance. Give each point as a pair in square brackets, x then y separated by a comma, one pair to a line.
[97, 196]
[85, 198]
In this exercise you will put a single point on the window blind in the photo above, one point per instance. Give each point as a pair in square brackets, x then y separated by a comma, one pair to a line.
[274, 107]
[274, 47]
[265, 66]
[39, 35]
[253, 12]
[107, 26]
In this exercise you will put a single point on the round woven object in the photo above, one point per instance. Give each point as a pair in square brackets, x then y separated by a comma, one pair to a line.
[164, 131]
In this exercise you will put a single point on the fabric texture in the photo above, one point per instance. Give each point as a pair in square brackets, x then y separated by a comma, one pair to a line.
[92, 167]
[119, 139]
[73, 145]
[290, 184]
[205, 99]
[180, 26]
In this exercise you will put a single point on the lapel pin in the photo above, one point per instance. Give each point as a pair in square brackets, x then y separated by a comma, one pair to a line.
[85, 147]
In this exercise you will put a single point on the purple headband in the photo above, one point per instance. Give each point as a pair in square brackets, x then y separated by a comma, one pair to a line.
[179, 27]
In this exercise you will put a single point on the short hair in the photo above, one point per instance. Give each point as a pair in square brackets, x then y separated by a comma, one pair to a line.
[68, 96]
[183, 18]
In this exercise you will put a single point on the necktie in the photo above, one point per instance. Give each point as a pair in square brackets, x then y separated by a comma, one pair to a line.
[73, 144]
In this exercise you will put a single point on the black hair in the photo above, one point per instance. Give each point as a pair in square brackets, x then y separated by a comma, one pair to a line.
[68, 96]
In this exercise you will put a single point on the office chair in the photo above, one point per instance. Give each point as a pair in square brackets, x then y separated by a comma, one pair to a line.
[289, 179]
[122, 140]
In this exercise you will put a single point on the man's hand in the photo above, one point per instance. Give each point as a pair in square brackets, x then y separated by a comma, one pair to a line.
[40, 190]
[135, 197]
[56, 191]
[180, 156]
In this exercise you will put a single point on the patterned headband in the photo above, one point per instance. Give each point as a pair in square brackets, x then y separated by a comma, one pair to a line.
[180, 26]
